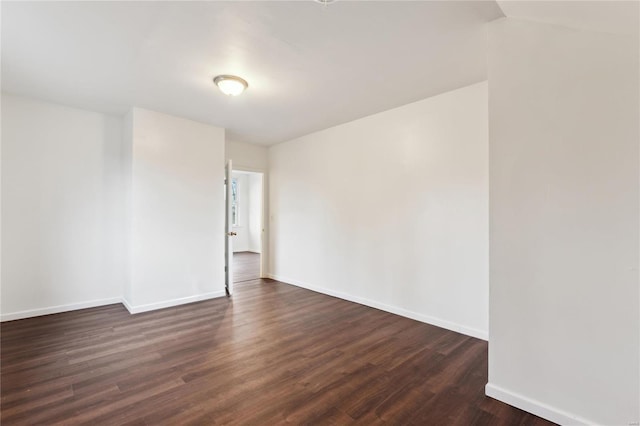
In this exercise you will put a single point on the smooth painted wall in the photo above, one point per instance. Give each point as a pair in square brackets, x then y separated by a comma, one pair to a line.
[63, 218]
[177, 237]
[246, 156]
[390, 210]
[127, 197]
[564, 304]
[255, 212]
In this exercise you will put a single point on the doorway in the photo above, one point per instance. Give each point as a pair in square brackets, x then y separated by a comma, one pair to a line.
[247, 226]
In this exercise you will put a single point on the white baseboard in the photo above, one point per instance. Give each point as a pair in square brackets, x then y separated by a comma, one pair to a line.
[95, 303]
[136, 309]
[57, 309]
[534, 407]
[438, 322]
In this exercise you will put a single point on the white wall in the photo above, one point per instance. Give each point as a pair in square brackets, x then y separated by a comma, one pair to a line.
[177, 211]
[564, 301]
[255, 213]
[390, 210]
[63, 219]
[127, 196]
[246, 156]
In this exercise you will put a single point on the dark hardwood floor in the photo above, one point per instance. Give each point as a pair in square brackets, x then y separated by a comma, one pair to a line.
[246, 266]
[273, 354]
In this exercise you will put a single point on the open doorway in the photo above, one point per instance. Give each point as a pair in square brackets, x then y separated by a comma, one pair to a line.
[247, 224]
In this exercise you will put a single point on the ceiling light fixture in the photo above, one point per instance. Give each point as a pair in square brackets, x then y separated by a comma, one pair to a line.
[325, 2]
[230, 84]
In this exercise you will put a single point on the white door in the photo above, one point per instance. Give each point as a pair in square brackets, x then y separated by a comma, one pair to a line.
[228, 226]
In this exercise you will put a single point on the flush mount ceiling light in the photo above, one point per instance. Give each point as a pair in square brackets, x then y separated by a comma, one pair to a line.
[230, 84]
[324, 1]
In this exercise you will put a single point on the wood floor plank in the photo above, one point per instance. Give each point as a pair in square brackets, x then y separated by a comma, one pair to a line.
[273, 354]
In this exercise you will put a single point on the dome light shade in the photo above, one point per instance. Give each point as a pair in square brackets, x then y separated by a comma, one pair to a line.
[230, 84]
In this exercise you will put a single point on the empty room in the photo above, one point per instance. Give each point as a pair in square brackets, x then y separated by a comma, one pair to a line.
[324, 212]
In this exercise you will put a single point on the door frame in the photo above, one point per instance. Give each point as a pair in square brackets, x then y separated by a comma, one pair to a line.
[264, 214]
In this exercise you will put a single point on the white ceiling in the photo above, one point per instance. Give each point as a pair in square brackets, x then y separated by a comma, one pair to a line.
[308, 66]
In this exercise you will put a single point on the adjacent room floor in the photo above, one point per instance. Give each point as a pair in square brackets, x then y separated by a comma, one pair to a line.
[273, 354]
[246, 266]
